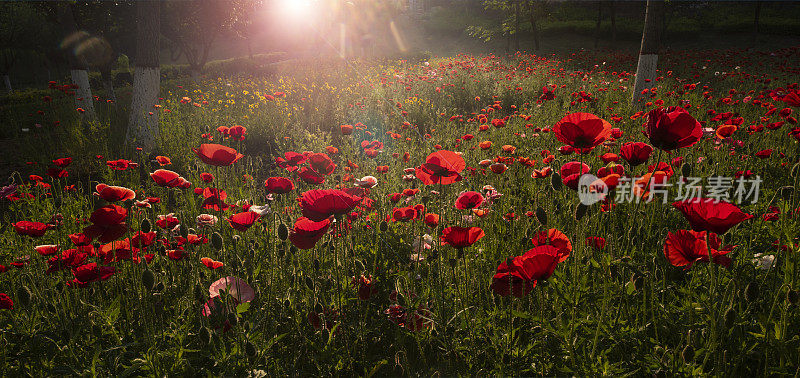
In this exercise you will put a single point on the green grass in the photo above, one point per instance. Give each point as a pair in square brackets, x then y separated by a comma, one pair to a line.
[620, 311]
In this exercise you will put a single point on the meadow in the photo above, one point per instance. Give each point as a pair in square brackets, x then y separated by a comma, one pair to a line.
[412, 217]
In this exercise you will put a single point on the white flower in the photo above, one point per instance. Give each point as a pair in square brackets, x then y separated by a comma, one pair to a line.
[207, 220]
[367, 182]
[764, 262]
[421, 242]
[260, 210]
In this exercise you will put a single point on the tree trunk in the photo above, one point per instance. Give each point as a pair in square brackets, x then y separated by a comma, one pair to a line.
[648, 53]
[757, 16]
[516, 24]
[613, 14]
[108, 84]
[78, 69]
[7, 82]
[143, 119]
[534, 29]
[597, 24]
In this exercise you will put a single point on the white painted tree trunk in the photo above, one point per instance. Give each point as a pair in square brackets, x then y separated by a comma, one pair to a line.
[83, 95]
[645, 74]
[143, 122]
[7, 81]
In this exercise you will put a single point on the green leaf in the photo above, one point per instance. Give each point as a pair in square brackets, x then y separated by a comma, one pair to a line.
[242, 308]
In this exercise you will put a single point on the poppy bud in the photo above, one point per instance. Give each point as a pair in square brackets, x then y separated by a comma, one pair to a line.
[688, 354]
[686, 169]
[309, 283]
[580, 211]
[57, 203]
[452, 263]
[184, 231]
[360, 265]
[205, 336]
[795, 170]
[24, 295]
[434, 254]
[249, 349]
[689, 338]
[148, 279]
[160, 286]
[287, 303]
[555, 181]
[316, 264]
[216, 240]
[792, 297]
[541, 216]
[638, 282]
[384, 226]
[145, 226]
[283, 232]
[786, 192]
[233, 319]
[751, 292]
[318, 308]
[730, 317]
[293, 250]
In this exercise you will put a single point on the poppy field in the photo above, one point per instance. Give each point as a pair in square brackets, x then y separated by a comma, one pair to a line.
[405, 218]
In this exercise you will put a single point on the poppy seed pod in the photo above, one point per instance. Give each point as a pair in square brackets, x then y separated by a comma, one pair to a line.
[730, 317]
[580, 211]
[283, 232]
[205, 335]
[751, 292]
[249, 349]
[688, 354]
[24, 295]
[148, 279]
[686, 169]
[792, 297]
[541, 216]
[216, 240]
[555, 181]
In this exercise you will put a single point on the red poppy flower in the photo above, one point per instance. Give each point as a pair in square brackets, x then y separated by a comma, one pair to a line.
[143, 239]
[346, 129]
[279, 185]
[582, 131]
[69, 259]
[364, 287]
[310, 176]
[214, 199]
[469, 200]
[217, 154]
[88, 273]
[432, 220]
[672, 128]
[321, 163]
[319, 204]
[706, 214]
[46, 250]
[243, 221]
[306, 233]
[206, 177]
[403, 214]
[107, 224]
[114, 193]
[686, 247]
[596, 242]
[163, 160]
[56, 172]
[461, 237]
[5, 302]
[32, 229]
[636, 153]
[211, 264]
[166, 178]
[441, 167]
[763, 154]
[62, 162]
[555, 238]
[518, 276]
[571, 173]
[80, 239]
